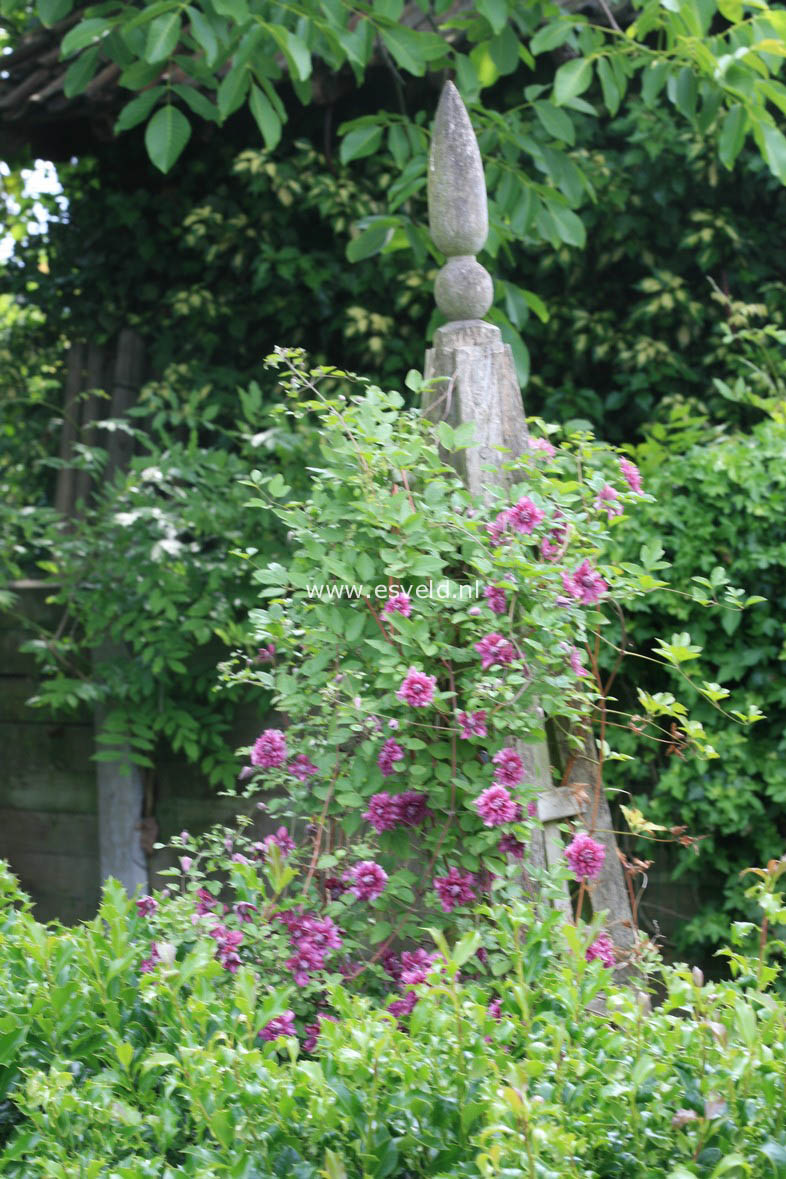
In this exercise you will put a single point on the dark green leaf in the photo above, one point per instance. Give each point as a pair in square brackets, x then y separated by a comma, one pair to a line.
[295, 50]
[550, 37]
[775, 151]
[81, 71]
[166, 135]
[370, 240]
[137, 110]
[139, 74]
[556, 121]
[732, 134]
[495, 12]
[363, 141]
[204, 34]
[163, 35]
[266, 118]
[571, 79]
[232, 91]
[236, 10]
[51, 11]
[84, 34]
[569, 226]
[608, 84]
[196, 100]
[412, 50]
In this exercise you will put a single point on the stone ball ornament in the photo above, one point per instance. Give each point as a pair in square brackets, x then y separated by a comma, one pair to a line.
[463, 289]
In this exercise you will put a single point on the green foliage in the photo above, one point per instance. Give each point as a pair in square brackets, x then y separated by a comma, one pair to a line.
[247, 250]
[712, 59]
[147, 570]
[385, 516]
[718, 64]
[719, 518]
[148, 1076]
[677, 252]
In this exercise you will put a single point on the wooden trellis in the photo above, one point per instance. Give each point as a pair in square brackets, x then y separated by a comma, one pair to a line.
[479, 385]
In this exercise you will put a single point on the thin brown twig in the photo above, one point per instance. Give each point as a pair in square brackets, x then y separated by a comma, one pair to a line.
[409, 493]
[388, 638]
[320, 828]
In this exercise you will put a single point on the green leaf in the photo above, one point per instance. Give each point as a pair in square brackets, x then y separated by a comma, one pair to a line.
[685, 92]
[158, 1060]
[196, 100]
[334, 1166]
[163, 35]
[745, 1019]
[80, 71]
[728, 1163]
[466, 947]
[557, 122]
[464, 435]
[365, 567]
[277, 487]
[653, 80]
[51, 11]
[363, 141]
[295, 50]
[166, 135]
[232, 91]
[398, 144]
[608, 84]
[358, 44]
[775, 151]
[203, 33]
[643, 1068]
[84, 34]
[266, 118]
[777, 1156]
[550, 37]
[11, 1041]
[139, 75]
[124, 1052]
[467, 78]
[571, 79]
[236, 10]
[495, 12]
[137, 110]
[147, 13]
[732, 134]
[445, 435]
[506, 51]
[412, 50]
[536, 304]
[370, 241]
[569, 226]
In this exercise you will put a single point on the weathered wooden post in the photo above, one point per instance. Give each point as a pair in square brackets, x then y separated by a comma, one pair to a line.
[480, 386]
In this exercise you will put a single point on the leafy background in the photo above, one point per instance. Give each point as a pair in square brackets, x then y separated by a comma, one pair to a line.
[635, 280]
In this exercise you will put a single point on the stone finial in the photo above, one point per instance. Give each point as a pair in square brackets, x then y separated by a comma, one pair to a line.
[458, 211]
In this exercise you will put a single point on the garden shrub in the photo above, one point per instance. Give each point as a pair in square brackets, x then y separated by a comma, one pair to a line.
[677, 248]
[111, 1065]
[409, 701]
[146, 566]
[719, 519]
[379, 987]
